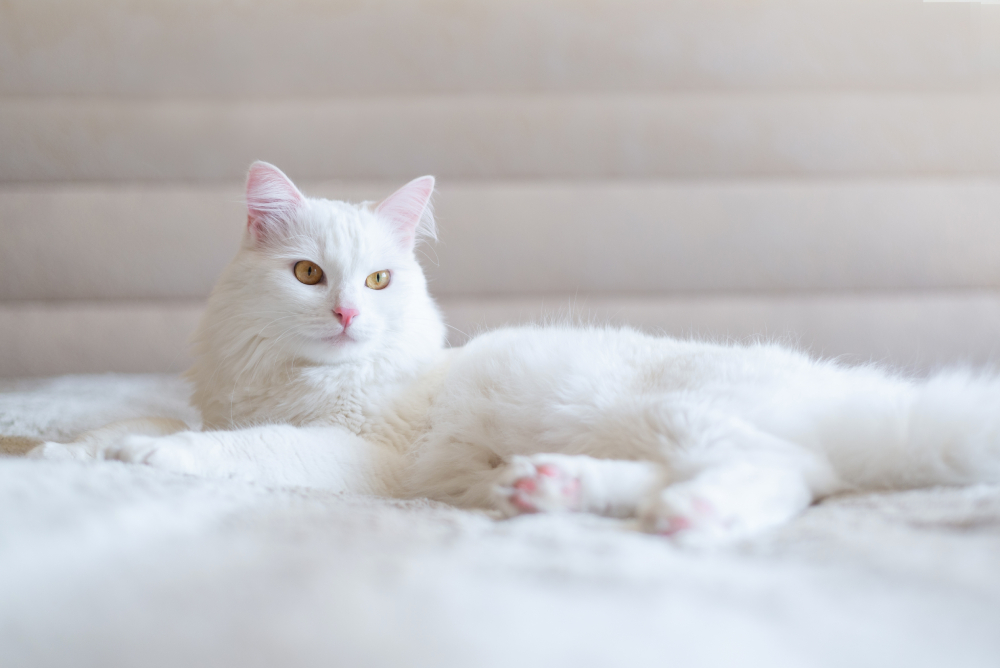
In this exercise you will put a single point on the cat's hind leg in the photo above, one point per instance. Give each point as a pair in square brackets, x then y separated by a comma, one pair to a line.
[733, 482]
[574, 483]
[726, 502]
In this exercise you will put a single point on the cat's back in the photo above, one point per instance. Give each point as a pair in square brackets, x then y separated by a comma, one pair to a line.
[522, 371]
[578, 389]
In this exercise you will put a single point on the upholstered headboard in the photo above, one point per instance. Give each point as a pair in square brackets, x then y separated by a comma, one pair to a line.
[827, 171]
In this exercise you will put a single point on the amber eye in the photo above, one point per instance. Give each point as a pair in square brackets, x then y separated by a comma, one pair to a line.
[308, 272]
[378, 280]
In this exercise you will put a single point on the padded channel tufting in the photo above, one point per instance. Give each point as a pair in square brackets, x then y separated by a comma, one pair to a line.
[827, 170]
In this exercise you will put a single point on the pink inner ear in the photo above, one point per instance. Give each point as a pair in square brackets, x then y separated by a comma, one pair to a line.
[271, 199]
[405, 208]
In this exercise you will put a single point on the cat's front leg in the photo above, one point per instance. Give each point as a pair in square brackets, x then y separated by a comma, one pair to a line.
[208, 454]
[179, 450]
[92, 444]
[574, 483]
[321, 457]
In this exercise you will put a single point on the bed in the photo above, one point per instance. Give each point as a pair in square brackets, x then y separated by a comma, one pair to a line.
[108, 564]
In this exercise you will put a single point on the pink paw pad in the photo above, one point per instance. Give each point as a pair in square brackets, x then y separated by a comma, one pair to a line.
[668, 526]
[700, 511]
[548, 489]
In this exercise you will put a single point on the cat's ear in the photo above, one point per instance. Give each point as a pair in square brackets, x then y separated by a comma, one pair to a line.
[409, 212]
[272, 199]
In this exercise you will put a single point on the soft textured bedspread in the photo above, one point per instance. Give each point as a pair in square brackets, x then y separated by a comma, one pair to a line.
[107, 564]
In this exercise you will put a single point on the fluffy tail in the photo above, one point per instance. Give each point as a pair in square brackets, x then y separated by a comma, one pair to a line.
[941, 431]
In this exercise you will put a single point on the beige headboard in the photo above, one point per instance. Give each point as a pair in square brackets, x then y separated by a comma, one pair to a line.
[826, 173]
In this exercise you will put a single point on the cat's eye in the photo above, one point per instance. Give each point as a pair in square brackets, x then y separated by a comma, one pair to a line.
[378, 280]
[308, 272]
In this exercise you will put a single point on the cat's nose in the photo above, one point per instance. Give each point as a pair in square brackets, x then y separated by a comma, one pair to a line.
[345, 315]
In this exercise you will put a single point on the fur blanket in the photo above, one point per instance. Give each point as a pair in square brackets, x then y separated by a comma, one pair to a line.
[106, 564]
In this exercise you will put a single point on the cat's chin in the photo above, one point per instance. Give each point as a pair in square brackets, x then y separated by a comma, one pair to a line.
[332, 349]
[339, 340]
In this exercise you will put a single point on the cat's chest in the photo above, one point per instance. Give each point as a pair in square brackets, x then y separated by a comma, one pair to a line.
[364, 402]
[319, 396]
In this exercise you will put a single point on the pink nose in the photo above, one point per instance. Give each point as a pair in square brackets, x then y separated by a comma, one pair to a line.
[345, 315]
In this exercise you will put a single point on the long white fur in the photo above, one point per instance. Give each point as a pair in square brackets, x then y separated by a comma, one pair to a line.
[702, 441]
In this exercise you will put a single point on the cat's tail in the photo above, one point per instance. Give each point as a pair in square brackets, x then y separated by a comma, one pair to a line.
[941, 431]
[84, 444]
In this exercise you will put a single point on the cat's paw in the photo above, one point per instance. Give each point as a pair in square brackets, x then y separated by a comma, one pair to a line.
[61, 451]
[726, 504]
[179, 452]
[687, 515]
[540, 483]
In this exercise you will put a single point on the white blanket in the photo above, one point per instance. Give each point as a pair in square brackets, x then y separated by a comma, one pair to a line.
[107, 564]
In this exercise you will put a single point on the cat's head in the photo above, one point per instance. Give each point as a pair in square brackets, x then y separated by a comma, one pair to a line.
[325, 281]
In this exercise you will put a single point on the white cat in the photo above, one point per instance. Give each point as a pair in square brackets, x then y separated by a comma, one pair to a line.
[321, 362]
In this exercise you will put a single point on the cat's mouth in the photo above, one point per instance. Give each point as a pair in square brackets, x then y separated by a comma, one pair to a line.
[342, 338]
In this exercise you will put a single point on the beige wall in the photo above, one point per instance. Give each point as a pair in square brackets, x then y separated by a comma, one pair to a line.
[827, 171]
